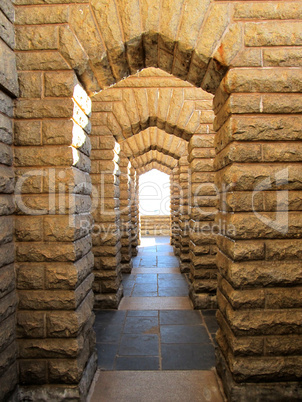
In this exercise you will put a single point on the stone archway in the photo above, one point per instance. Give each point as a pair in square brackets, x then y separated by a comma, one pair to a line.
[60, 48]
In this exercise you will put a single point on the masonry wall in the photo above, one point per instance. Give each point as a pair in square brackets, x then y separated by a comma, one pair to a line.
[258, 131]
[258, 164]
[155, 225]
[8, 299]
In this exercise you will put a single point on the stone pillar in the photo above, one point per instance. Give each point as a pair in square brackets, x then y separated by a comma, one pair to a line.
[8, 299]
[174, 186]
[176, 207]
[105, 176]
[134, 211]
[184, 205]
[203, 270]
[52, 230]
[125, 210]
[259, 174]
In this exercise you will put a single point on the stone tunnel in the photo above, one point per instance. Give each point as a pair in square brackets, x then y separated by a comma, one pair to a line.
[94, 93]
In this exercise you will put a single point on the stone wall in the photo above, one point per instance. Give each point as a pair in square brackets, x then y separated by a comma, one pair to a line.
[246, 53]
[54, 261]
[155, 225]
[259, 180]
[8, 299]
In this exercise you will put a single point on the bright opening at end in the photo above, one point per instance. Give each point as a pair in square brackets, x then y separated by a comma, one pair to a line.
[154, 193]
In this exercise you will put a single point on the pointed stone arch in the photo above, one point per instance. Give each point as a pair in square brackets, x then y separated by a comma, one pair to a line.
[154, 139]
[152, 156]
[105, 42]
[167, 103]
[154, 165]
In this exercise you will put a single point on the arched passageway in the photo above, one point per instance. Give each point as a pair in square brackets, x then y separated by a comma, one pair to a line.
[248, 55]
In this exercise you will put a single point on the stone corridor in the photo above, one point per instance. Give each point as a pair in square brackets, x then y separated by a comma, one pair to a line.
[95, 93]
[156, 328]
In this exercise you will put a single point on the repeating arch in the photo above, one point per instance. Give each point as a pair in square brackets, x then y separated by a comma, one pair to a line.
[154, 139]
[152, 99]
[154, 156]
[153, 165]
[105, 42]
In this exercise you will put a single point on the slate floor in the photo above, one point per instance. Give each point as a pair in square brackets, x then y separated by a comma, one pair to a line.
[139, 337]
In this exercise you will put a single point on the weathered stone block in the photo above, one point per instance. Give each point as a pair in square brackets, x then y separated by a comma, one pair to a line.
[253, 274]
[43, 37]
[6, 129]
[37, 109]
[36, 15]
[66, 275]
[33, 372]
[69, 324]
[7, 30]
[8, 71]
[8, 9]
[30, 84]
[7, 227]
[6, 103]
[7, 254]
[31, 324]
[8, 305]
[273, 34]
[38, 252]
[50, 60]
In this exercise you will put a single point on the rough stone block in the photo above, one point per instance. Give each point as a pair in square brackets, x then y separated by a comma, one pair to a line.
[69, 324]
[44, 37]
[50, 60]
[33, 371]
[253, 274]
[37, 109]
[7, 30]
[27, 132]
[36, 15]
[29, 228]
[273, 34]
[8, 71]
[283, 57]
[8, 9]
[30, 276]
[8, 306]
[30, 84]
[7, 254]
[31, 324]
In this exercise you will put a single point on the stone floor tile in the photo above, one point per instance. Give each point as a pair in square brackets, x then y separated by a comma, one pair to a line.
[155, 303]
[109, 333]
[184, 334]
[187, 356]
[142, 313]
[156, 270]
[139, 345]
[139, 325]
[137, 363]
[190, 317]
[109, 317]
[168, 292]
[146, 278]
[145, 287]
[155, 386]
[106, 355]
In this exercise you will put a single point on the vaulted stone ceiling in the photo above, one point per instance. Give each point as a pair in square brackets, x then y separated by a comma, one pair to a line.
[106, 41]
[154, 139]
[153, 98]
[152, 111]
[154, 156]
[153, 165]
